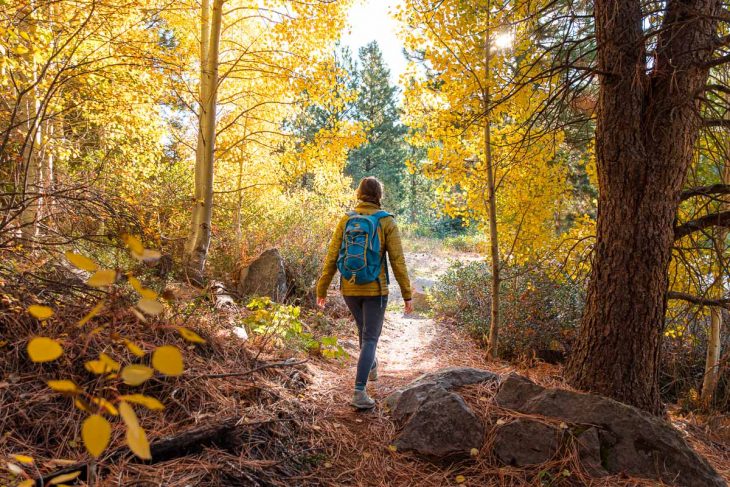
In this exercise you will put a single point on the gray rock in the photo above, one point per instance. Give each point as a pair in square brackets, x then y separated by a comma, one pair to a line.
[265, 276]
[526, 442]
[588, 444]
[443, 426]
[631, 441]
[448, 378]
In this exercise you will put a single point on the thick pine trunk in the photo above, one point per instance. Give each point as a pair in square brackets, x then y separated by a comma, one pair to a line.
[647, 125]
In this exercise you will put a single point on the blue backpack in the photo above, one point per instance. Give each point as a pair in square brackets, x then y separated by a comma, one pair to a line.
[359, 260]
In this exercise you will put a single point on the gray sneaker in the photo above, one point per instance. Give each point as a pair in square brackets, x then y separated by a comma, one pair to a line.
[361, 400]
[373, 375]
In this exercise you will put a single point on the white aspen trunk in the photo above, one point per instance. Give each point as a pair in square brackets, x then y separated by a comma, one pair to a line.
[196, 251]
[712, 362]
[493, 340]
[33, 174]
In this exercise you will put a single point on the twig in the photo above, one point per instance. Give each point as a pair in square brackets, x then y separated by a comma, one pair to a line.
[286, 363]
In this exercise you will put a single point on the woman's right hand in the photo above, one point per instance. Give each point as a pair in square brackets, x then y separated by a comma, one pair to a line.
[321, 302]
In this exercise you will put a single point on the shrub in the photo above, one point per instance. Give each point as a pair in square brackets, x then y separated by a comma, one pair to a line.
[538, 312]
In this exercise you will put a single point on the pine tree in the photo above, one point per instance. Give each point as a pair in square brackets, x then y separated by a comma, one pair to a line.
[383, 153]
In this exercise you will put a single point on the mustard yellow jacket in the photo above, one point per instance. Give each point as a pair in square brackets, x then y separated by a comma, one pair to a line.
[390, 243]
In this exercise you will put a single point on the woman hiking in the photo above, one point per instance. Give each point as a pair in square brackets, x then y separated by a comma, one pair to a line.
[362, 243]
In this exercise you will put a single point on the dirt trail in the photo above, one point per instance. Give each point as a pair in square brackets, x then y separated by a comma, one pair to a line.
[409, 346]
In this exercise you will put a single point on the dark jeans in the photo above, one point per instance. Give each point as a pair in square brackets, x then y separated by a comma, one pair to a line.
[369, 312]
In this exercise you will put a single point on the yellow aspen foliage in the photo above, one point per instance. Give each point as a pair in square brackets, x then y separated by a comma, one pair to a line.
[136, 436]
[136, 374]
[96, 433]
[82, 262]
[102, 278]
[189, 335]
[40, 312]
[44, 349]
[150, 306]
[168, 360]
[149, 402]
[64, 386]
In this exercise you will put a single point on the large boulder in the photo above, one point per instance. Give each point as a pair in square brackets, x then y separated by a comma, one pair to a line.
[630, 441]
[265, 276]
[525, 442]
[442, 427]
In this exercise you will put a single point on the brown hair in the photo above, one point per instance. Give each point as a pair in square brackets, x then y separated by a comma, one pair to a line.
[370, 190]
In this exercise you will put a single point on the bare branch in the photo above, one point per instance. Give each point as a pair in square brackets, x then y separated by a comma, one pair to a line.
[720, 219]
[702, 301]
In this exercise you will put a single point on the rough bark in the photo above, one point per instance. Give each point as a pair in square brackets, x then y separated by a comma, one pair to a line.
[647, 125]
[196, 250]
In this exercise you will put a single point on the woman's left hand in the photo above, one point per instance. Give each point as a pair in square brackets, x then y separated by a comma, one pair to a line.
[321, 302]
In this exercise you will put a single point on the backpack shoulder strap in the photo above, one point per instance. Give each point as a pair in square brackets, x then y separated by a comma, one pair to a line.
[381, 214]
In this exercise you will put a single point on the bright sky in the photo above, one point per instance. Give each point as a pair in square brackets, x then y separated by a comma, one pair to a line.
[370, 20]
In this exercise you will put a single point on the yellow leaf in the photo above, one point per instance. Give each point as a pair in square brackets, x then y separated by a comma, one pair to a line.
[40, 312]
[96, 433]
[103, 277]
[27, 483]
[24, 459]
[150, 255]
[100, 401]
[168, 360]
[43, 349]
[82, 262]
[81, 404]
[139, 315]
[136, 437]
[460, 479]
[134, 348]
[135, 374]
[474, 452]
[97, 367]
[21, 50]
[110, 362]
[134, 244]
[392, 448]
[63, 386]
[91, 314]
[128, 415]
[150, 306]
[141, 290]
[137, 441]
[146, 401]
[189, 335]
[64, 478]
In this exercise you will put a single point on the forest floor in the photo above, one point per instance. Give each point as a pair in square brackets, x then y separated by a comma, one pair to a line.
[293, 423]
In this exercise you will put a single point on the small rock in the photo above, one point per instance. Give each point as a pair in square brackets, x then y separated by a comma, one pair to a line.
[442, 427]
[265, 276]
[526, 442]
